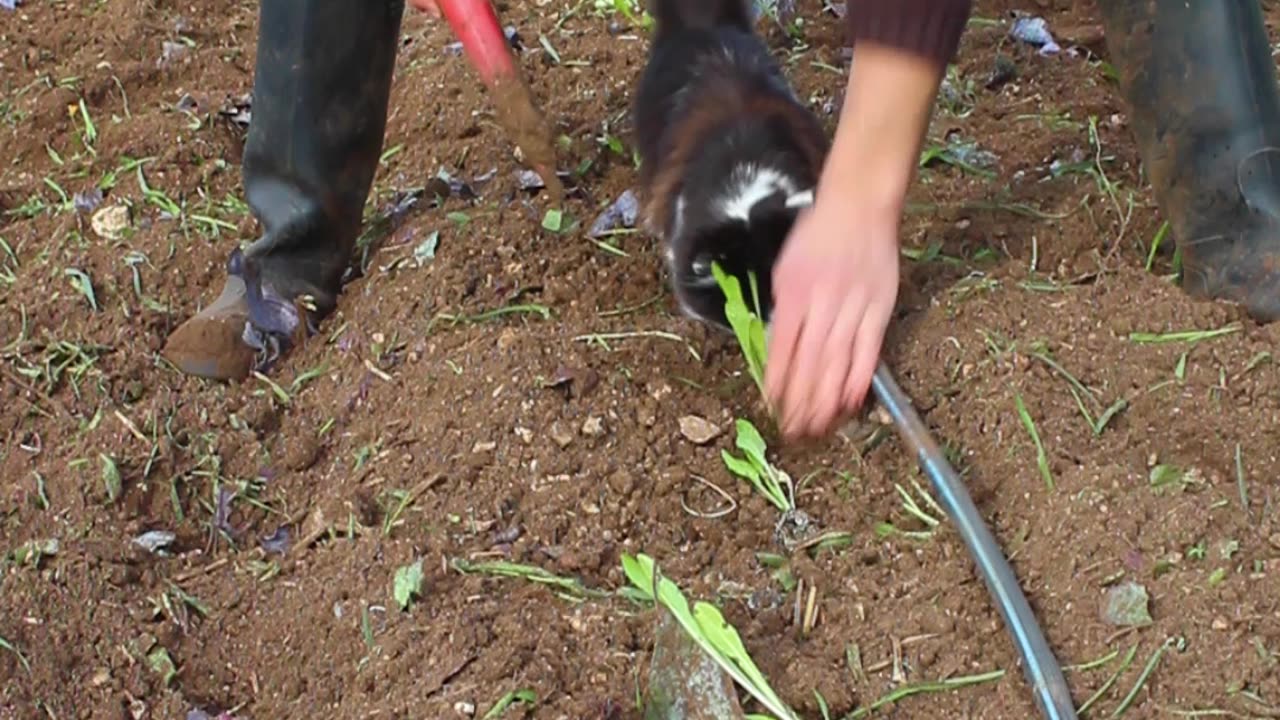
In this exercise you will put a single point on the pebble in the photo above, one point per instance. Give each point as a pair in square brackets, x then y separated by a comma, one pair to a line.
[525, 435]
[560, 436]
[699, 430]
[463, 707]
[593, 427]
[484, 447]
[109, 222]
[1220, 623]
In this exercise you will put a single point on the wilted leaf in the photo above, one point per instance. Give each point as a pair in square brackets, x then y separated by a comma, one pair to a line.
[161, 662]
[553, 221]
[1127, 605]
[110, 477]
[623, 212]
[426, 250]
[407, 584]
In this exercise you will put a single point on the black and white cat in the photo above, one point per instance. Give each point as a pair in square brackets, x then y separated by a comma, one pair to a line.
[728, 155]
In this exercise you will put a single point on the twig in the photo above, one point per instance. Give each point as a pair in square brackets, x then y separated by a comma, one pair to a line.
[202, 570]
[23, 385]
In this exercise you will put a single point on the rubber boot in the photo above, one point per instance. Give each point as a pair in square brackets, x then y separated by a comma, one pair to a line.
[1201, 88]
[322, 84]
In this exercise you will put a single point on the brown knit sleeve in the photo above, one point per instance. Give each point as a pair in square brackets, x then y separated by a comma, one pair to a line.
[931, 28]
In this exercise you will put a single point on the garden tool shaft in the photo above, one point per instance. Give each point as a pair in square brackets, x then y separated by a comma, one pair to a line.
[475, 23]
[1041, 667]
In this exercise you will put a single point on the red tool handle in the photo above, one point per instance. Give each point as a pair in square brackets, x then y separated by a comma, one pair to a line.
[475, 24]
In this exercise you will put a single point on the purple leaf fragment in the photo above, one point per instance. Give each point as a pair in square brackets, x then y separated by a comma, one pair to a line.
[277, 542]
[529, 180]
[513, 39]
[87, 201]
[622, 213]
[1035, 31]
[222, 513]
[10, 4]
[239, 110]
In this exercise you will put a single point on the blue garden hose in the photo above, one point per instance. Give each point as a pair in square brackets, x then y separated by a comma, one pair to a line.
[1041, 667]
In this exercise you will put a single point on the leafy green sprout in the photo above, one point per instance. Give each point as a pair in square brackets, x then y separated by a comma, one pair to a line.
[755, 468]
[747, 326]
[708, 629]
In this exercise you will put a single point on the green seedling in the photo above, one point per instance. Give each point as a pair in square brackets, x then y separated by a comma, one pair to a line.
[747, 325]
[1110, 682]
[708, 629]
[22, 659]
[1145, 675]
[528, 697]
[1042, 458]
[567, 588]
[1081, 394]
[768, 480]
[913, 508]
[1185, 336]
[921, 688]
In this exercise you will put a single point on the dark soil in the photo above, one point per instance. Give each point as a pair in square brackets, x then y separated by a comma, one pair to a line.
[406, 435]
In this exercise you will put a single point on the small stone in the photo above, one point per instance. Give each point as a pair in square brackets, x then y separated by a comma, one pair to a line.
[507, 339]
[110, 222]
[484, 447]
[593, 427]
[660, 392]
[464, 708]
[101, 677]
[1220, 623]
[699, 430]
[561, 436]
[880, 415]
[171, 51]
[525, 435]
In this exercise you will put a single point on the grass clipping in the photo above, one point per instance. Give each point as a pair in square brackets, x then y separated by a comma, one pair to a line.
[708, 628]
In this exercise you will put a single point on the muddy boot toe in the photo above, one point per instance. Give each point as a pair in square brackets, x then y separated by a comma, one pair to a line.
[211, 344]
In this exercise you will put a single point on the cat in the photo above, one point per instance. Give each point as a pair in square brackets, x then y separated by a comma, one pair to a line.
[728, 155]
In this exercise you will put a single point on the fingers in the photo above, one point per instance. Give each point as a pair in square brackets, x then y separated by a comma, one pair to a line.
[866, 356]
[784, 330]
[827, 399]
[806, 366]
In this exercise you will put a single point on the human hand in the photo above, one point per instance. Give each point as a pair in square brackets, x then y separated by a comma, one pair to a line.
[430, 7]
[835, 286]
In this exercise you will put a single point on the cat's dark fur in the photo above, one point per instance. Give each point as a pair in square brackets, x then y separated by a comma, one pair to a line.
[728, 155]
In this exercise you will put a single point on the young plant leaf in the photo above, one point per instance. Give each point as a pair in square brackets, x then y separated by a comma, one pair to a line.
[756, 469]
[708, 628]
[746, 325]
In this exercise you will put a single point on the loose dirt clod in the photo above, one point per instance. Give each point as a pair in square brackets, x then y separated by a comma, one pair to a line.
[699, 430]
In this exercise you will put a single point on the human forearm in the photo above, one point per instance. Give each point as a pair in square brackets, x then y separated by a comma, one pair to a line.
[900, 49]
[888, 101]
